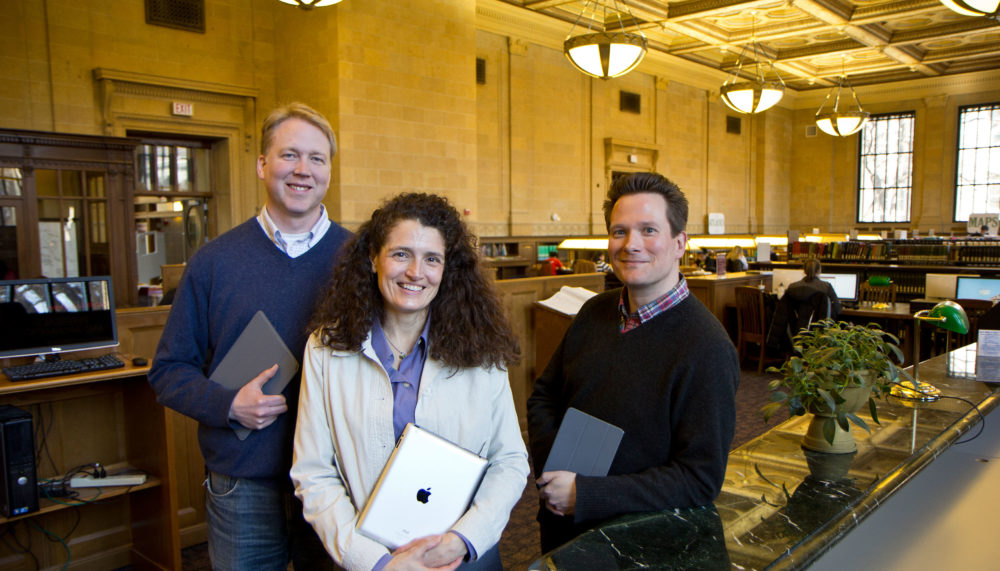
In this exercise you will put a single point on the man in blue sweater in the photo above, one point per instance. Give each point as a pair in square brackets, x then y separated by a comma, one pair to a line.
[277, 262]
[648, 358]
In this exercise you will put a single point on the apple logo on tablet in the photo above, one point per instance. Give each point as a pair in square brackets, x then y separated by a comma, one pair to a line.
[423, 495]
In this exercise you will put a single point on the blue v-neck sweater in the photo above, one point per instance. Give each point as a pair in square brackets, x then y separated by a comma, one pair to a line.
[225, 283]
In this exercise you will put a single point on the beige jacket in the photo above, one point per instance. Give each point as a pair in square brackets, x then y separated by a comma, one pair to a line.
[345, 413]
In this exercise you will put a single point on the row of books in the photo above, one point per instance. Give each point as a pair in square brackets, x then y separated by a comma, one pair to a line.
[498, 250]
[908, 251]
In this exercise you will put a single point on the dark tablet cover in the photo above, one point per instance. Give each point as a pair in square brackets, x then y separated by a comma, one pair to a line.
[585, 445]
[258, 347]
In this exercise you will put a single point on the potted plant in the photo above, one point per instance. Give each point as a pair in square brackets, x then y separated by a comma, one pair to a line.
[838, 367]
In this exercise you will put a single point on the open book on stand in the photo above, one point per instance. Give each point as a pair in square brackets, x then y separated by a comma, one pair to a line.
[568, 300]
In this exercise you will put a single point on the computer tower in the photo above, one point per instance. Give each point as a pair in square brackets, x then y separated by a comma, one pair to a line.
[18, 480]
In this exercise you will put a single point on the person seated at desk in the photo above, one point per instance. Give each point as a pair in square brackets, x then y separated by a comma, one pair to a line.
[558, 268]
[801, 290]
[736, 260]
[602, 264]
[805, 301]
[705, 259]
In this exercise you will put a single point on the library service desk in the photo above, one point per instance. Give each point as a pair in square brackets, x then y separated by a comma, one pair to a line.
[782, 507]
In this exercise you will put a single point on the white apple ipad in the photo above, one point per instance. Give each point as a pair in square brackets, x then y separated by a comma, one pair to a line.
[425, 487]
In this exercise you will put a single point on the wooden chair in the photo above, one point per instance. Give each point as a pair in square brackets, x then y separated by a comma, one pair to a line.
[878, 293]
[974, 308]
[752, 322]
[584, 267]
[171, 274]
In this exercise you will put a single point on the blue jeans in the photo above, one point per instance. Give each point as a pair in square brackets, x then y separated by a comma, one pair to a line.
[489, 561]
[254, 526]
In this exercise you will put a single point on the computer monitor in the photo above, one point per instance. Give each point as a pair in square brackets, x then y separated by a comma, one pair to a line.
[844, 285]
[942, 286]
[55, 315]
[545, 249]
[782, 278]
[977, 288]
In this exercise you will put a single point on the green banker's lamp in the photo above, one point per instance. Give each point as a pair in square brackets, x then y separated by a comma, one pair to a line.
[947, 315]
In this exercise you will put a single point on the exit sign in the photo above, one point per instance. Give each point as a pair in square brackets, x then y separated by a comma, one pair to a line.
[185, 109]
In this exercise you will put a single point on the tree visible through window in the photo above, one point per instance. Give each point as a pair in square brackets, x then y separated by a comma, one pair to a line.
[885, 169]
[977, 178]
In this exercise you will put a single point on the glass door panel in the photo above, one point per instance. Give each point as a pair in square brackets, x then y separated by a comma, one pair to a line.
[11, 183]
[9, 260]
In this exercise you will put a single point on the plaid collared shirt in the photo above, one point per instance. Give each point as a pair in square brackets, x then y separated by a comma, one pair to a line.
[628, 321]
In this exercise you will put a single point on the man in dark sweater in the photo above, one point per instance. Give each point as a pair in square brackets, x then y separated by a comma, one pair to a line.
[648, 358]
[277, 262]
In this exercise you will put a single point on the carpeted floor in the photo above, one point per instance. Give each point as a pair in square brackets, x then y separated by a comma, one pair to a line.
[519, 544]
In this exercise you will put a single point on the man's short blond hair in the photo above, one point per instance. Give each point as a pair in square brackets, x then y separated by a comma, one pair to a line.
[295, 110]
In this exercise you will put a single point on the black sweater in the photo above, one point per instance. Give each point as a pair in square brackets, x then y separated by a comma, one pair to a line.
[670, 384]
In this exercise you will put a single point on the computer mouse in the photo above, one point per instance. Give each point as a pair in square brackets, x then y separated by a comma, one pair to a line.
[139, 362]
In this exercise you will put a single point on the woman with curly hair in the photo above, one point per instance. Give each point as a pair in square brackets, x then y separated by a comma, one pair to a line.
[410, 331]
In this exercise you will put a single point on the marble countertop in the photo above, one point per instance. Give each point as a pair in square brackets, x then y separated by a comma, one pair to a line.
[781, 506]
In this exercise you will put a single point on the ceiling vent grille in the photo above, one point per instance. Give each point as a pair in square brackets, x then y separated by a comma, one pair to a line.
[733, 125]
[179, 14]
[630, 102]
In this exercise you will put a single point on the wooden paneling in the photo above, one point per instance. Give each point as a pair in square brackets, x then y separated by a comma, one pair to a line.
[519, 295]
[139, 331]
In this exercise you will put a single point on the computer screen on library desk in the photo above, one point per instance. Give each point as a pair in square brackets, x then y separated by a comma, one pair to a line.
[53, 315]
[544, 250]
[782, 278]
[942, 286]
[844, 285]
[977, 288]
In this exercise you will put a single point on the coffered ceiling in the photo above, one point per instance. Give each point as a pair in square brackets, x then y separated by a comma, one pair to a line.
[809, 41]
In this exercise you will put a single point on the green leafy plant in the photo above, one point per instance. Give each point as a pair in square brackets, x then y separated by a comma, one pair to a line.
[831, 357]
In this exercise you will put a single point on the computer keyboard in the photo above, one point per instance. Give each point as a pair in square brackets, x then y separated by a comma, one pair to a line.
[62, 367]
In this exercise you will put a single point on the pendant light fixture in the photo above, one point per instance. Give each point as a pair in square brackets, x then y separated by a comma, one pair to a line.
[310, 4]
[758, 94]
[988, 8]
[605, 54]
[841, 123]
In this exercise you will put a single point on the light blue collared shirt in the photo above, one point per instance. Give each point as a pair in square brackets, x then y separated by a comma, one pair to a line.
[405, 380]
[294, 244]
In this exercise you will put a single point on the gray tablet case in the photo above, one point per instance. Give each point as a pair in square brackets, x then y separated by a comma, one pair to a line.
[584, 444]
[258, 347]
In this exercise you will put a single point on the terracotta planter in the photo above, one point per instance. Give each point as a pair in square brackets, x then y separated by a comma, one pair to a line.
[843, 441]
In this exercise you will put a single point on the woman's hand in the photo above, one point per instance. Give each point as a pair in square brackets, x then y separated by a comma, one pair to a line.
[451, 549]
[411, 556]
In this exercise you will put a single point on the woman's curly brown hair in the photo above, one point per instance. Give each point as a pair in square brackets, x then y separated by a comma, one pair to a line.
[468, 326]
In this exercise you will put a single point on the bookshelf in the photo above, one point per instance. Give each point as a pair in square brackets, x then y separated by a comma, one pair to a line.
[930, 252]
[905, 262]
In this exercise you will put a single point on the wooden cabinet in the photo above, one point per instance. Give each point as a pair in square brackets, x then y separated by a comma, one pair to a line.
[110, 417]
[717, 292]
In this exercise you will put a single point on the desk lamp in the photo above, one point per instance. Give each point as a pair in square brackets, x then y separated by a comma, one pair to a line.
[947, 315]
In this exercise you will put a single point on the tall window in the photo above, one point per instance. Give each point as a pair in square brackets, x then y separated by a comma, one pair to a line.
[977, 178]
[885, 169]
[173, 187]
